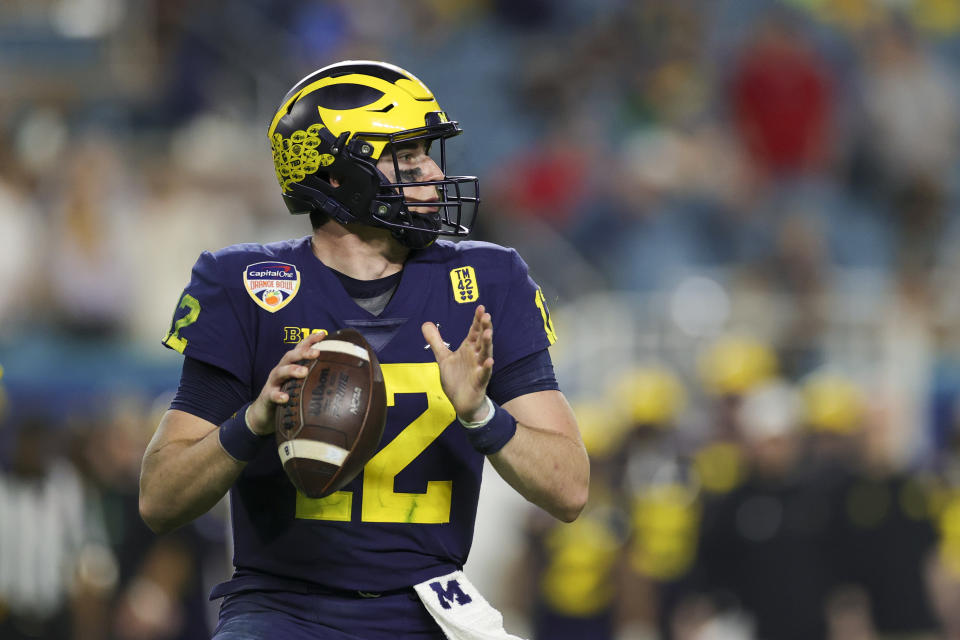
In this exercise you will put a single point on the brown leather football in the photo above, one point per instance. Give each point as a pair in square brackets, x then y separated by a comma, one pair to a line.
[333, 422]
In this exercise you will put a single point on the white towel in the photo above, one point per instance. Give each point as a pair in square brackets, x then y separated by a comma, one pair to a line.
[460, 610]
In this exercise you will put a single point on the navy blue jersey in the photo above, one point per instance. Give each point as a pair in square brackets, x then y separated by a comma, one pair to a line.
[410, 514]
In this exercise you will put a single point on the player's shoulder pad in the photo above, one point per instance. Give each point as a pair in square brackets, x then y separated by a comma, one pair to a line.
[480, 255]
[247, 251]
[213, 265]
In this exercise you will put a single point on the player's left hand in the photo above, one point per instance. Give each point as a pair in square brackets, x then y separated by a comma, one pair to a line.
[464, 373]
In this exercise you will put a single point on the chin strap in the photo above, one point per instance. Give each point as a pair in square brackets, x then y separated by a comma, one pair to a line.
[317, 200]
[421, 234]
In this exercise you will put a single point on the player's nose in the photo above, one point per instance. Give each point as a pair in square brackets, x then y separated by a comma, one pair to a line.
[431, 170]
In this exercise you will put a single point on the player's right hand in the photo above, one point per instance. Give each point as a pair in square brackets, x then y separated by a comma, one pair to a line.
[260, 414]
[464, 373]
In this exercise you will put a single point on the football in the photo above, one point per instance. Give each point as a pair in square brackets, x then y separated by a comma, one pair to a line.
[333, 422]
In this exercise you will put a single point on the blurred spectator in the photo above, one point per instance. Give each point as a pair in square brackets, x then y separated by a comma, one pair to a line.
[795, 269]
[4, 402]
[91, 230]
[782, 100]
[51, 557]
[195, 198]
[524, 14]
[667, 202]
[911, 106]
[159, 589]
[912, 130]
[666, 82]
[20, 248]
[550, 181]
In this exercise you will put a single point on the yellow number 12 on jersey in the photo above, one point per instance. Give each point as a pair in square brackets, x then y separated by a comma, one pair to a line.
[380, 503]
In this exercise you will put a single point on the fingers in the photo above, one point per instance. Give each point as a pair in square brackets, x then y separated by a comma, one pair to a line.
[479, 339]
[482, 331]
[260, 414]
[432, 335]
[281, 375]
[304, 349]
[479, 345]
[476, 327]
[290, 367]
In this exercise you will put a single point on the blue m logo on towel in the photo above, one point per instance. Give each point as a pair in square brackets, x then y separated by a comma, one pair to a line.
[451, 593]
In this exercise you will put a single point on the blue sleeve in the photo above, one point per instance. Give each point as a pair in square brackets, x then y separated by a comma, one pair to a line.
[521, 322]
[208, 392]
[526, 375]
[206, 325]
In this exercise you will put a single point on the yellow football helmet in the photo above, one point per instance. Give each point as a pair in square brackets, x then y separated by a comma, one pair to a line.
[337, 122]
[602, 427]
[736, 364]
[832, 403]
[650, 395]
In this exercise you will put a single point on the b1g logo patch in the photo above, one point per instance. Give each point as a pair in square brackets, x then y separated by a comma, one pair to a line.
[464, 281]
[293, 335]
[272, 285]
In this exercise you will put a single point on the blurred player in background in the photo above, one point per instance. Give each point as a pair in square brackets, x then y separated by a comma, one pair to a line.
[44, 531]
[662, 488]
[572, 577]
[611, 572]
[880, 506]
[359, 146]
[763, 559]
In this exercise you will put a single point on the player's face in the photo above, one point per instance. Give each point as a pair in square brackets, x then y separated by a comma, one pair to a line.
[415, 165]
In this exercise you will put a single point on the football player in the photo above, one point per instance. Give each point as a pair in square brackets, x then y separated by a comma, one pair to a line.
[461, 332]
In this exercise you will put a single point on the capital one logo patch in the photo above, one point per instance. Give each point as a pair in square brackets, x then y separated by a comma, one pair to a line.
[452, 593]
[272, 285]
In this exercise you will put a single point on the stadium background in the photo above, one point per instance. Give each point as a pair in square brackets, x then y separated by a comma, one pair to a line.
[743, 214]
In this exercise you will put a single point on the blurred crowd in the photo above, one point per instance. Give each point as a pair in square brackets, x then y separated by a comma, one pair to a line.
[777, 509]
[743, 214]
[76, 560]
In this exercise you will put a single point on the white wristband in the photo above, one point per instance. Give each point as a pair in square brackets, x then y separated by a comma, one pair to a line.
[480, 423]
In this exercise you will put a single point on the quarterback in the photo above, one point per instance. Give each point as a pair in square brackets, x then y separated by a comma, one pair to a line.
[461, 332]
